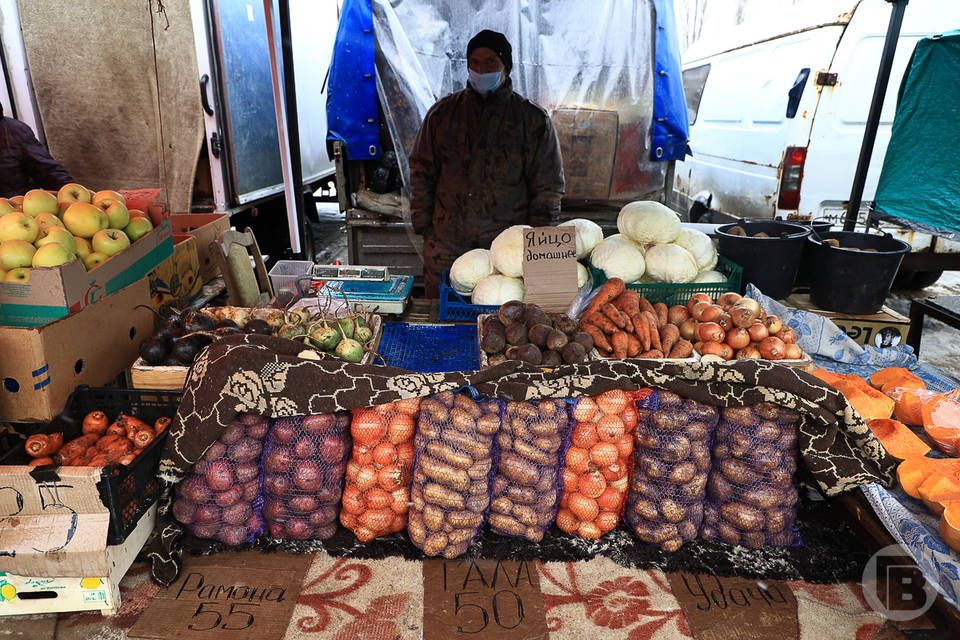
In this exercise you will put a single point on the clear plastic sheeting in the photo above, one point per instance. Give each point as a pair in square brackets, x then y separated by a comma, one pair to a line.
[590, 64]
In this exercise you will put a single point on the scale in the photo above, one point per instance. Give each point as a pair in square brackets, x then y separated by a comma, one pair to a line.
[373, 287]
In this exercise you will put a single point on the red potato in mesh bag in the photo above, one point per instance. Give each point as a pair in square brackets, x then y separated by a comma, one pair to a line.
[217, 500]
[597, 463]
[375, 498]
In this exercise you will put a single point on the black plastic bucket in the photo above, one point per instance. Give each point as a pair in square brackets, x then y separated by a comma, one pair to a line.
[804, 277]
[769, 263]
[851, 281]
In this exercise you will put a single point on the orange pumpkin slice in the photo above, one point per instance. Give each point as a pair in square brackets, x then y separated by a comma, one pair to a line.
[912, 472]
[892, 377]
[941, 421]
[898, 439]
[950, 525]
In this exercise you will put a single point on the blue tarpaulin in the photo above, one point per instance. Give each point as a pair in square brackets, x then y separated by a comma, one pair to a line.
[671, 129]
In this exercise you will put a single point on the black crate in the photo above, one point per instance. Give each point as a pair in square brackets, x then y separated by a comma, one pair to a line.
[126, 491]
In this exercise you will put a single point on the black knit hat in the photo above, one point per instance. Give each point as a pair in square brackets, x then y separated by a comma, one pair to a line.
[496, 42]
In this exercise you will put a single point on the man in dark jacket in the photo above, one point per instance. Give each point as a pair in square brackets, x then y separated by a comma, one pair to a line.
[24, 163]
[485, 159]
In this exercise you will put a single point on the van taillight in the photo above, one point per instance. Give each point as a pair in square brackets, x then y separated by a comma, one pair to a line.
[790, 178]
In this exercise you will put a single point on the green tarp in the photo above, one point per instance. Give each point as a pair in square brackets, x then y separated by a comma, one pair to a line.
[919, 185]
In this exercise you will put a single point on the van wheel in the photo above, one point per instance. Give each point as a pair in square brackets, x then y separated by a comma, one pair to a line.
[913, 280]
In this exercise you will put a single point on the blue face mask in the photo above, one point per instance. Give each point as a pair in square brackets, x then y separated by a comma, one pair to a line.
[484, 83]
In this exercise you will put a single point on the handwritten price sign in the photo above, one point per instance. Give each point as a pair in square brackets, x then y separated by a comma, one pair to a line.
[482, 599]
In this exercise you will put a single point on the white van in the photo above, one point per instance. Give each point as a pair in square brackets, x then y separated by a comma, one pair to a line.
[777, 111]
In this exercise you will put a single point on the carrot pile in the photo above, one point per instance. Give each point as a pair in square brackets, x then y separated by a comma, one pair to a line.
[625, 325]
[101, 444]
[595, 478]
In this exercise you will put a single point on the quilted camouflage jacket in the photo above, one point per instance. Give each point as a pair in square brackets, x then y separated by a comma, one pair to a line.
[478, 166]
[24, 162]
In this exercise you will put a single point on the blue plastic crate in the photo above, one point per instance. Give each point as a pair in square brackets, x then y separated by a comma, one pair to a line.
[430, 348]
[454, 307]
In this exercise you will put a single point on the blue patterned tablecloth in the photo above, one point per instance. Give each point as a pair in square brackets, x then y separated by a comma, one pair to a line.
[909, 521]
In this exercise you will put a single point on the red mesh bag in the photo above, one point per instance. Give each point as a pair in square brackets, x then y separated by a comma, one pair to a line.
[597, 463]
[751, 498]
[376, 496]
[303, 467]
[221, 499]
[453, 463]
[669, 477]
[528, 481]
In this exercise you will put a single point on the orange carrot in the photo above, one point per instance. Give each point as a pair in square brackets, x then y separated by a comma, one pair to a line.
[660, 310]
[633, 345]
[603, 322]
[669, 334]
[599, 340]
[681, 349]
[614, 314]
[620, 342]
[645, 305]
[629, 302]
[608, 292]
[641, 330]
[652, 353]
[654, 330]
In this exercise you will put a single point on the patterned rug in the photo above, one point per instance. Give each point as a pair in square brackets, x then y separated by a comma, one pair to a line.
[352, 599]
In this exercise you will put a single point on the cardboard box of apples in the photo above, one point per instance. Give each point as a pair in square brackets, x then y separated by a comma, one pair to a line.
[62, 251]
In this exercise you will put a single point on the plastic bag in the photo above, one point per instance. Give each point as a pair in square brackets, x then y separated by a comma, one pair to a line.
[751, 497]
[528, 480]
[669, 477]
[452, 470]
[376, 497]
[303, 468]
[221, 498]
[597, 464]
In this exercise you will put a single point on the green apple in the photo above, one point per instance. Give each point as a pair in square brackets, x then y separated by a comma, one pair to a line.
[110, 241]
[6, 207]
[83, 247]
[138, 228]
[20, 274]
[37, 201]
[3, 274]
[17, 202]
[116, 212]
[48, 220]
[84, 220]
[94, 259]
[62, 207]
[73, 192]
[100, 196]
[18, 226]
[52, 255]
[16, 253]
[56, 235]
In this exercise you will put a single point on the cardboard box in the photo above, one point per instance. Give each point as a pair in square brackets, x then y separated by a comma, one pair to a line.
[887, 328]
[176, 280]
[588, 144]
[41, 366]
[90, 592]
[54, 292]
[206, 227]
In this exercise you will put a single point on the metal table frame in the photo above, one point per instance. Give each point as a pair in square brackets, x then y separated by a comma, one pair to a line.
[946, 309]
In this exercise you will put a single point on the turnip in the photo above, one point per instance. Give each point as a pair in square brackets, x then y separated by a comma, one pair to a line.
[350, 350]
[345, 326]
[324, 337]
[363, 334]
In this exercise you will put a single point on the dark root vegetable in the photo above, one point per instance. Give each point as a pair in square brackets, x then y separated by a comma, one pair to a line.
[510, 312]
[551, 358]
[530, 354]
[584, 339]
[536, 315]
[493, 342]
[556, 339]
[516, 334]
[538, 334]
[574, 352]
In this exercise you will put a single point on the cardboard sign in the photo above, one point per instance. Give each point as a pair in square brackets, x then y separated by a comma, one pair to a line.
[721, 608]
[550, 267]
[227, 595]
[52, 523]
[482, 599]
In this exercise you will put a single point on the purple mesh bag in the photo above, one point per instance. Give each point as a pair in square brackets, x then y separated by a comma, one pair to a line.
[671, 465]
[528, 481]
[221, 499]
[454, 459]
[751, 497]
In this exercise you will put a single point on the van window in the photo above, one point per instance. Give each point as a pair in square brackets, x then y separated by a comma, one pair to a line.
[693, 81]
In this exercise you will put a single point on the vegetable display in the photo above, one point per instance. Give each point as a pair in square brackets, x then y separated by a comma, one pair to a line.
[376, 497]
[669, 477]
[450, 492]
[526, 487]
[625, 325]
[735, 327]
[597, 464]
[526, 332]
[102, 443]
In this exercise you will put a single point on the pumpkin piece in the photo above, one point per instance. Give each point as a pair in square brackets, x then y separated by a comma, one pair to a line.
[950, 525]
[912, 472]
[940, 489]
[941, 422]
[909, 405]
[897, 438]
[892, 377]
[866, 400]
